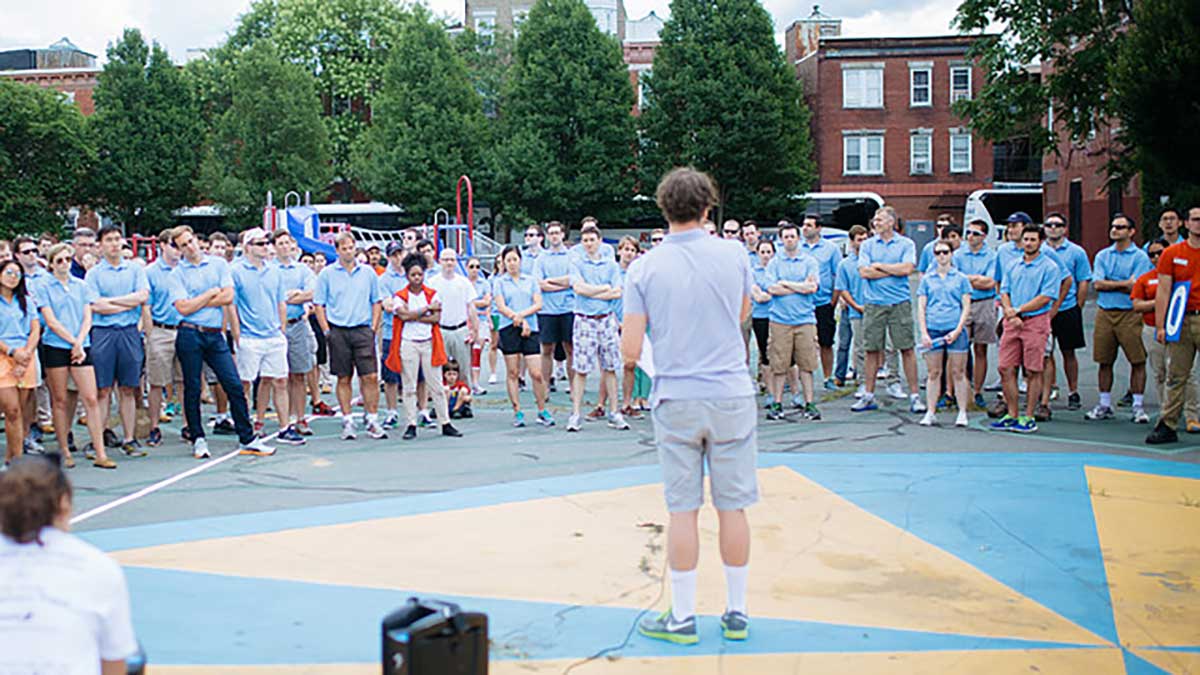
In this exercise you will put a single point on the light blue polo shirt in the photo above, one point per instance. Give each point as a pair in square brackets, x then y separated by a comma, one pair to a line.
[296, 276]
[188, 281]
[528, 257]
[1115, 265]
[982, 263]
[68, 303]
[828, 256]
[347, 296]
[1075, 259]
[890, 290]
[161, 309]
[619, 303]
[607, 252]
[33, 279]
[550, 265]
[596, 272]
[848, 279]
[925, 261]
[109, 281]
[796, 309]
[389, 282]
[15, 326]
[1010, 252]
[690, 288]
[482, 287]
[943, 298]
[257, 294]
[1024, 281]
[760, 310]
[518, 296]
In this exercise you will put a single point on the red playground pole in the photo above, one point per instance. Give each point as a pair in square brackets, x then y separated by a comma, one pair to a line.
[458, 214]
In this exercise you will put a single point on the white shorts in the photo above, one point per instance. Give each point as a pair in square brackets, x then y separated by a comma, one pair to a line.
[262, 357]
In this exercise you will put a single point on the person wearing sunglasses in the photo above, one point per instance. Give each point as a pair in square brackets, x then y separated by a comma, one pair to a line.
[534, 236]
[37, 410]
[656, 237]
[1118, 325]
[1178, 263]
[56, 586]
[1067, 325]
[66, 307]
[943, 307]
[481, 306]
[978, 262]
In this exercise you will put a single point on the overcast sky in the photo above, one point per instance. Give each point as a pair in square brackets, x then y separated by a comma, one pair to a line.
[92, 24]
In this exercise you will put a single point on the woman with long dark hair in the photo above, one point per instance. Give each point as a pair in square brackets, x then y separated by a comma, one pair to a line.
[66, 306]
[518, 300]
[19, 335]
[64, 605]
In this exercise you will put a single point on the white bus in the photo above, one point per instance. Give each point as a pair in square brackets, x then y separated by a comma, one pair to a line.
[995, 205]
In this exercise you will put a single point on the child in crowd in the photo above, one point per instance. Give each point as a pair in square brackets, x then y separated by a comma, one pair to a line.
[458, 394]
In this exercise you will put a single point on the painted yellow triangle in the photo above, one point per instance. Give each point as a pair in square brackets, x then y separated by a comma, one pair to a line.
[1176, 663]
[1015, 662]
[1149, 528]
[816, 557]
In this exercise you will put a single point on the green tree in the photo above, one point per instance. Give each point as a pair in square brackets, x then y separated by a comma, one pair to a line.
[427, 124]
[489, 64]
[45, 153]
[345, 44]
[566, 124]
[148, 136]
[1154, 95]
[722, 98]
[270, 138]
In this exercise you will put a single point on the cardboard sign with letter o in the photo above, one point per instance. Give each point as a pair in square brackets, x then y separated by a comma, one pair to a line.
[1177, 309]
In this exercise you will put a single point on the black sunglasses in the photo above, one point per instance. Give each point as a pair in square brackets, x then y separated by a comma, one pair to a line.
[28, 251]
[942, 251]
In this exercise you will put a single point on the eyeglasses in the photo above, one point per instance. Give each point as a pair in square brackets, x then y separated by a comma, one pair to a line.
[259, 243]
[1120, 227]
[942, 252]
[656, 239]
[974, 233]
[1055, 223]
[28, 251]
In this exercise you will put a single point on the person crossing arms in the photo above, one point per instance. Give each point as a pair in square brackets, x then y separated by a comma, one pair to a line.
[693, 294]
[162, 368]
[793, 278]
[596, 282]
[828, 258]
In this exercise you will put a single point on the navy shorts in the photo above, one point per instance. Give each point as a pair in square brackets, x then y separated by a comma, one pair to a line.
[117, 355]
[555, 328]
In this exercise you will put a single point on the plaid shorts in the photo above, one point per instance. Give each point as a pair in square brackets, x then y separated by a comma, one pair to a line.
[596, 339]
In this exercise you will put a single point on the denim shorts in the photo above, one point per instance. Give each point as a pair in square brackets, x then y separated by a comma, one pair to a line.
[960, 345]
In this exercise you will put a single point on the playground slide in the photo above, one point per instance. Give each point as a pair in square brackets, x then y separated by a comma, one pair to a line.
[304, 224]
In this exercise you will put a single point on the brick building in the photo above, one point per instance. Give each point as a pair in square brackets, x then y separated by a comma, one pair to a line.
[882, 119]
[641, 41]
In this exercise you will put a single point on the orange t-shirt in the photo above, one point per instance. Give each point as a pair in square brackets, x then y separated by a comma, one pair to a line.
[1146, 288]
[1182, 262]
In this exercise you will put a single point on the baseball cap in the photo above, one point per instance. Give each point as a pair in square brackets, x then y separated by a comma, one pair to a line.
[1020, 217]
[254, 234]
[394, 247]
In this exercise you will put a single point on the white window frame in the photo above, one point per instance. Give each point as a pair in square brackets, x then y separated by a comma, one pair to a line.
[960, 95]
[925, 136]
[912, 86]
[958, 134]
[859, 140]
[861, 93]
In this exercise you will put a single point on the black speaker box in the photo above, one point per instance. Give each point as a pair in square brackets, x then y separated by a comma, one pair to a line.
[430, 637]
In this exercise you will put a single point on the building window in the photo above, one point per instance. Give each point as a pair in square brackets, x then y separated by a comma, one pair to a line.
[920, 87]
[960, 83]
[960, 151]
[863, 155]
[485, 26]
[642, 93]
[862, 88]
[920, 153]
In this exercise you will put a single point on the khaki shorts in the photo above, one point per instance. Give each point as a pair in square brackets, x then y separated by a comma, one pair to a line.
[720, 433]
[1118, 327]
[162, 368]
[789, 346]
[981, 322]
[881, 320]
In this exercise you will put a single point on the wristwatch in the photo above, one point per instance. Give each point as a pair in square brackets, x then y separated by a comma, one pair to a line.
[10, 351]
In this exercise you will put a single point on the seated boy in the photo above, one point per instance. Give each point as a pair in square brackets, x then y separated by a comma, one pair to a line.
[458, 394]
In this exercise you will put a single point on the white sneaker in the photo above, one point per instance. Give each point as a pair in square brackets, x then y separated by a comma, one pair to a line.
[861, 391]
[375, 431]
[916, 405]
[1022, 386]
[257, 447]
[896, 391]
[962, 419]
[573, 423]
[1140, 416]
[883, 373]
[929, 419]
[492, 379]
[617, 421]
[349, 433]
[200, 449]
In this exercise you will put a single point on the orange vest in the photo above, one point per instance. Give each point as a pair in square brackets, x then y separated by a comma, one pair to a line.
[439, 348]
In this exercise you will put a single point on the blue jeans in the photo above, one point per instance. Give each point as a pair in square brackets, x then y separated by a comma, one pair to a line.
[194, 349]
[845, 336]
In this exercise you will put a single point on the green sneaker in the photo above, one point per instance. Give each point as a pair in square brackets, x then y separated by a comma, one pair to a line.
[665, 627]
[735, 625]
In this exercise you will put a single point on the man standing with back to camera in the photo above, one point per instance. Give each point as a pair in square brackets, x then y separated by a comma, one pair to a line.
[693, 293]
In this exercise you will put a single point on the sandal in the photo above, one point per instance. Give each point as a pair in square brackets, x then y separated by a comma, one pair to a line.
[104, 464]
[68, 462]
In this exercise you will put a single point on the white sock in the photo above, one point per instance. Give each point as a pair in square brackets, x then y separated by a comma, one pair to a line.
[1138, 399]
[735, 588]
[372, 418]
[1106, 399]
[683, 594]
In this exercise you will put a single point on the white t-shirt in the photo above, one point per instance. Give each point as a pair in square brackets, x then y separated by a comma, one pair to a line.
[64, 607]
[455, 293]
[418, 331]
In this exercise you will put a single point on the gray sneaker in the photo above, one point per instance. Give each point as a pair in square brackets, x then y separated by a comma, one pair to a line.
[617, 421]
[200, 449]
[735, 625]
[573, 423]
[665, 627]
[1100, 412]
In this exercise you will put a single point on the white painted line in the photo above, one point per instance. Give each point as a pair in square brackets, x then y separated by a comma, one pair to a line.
[166, 482]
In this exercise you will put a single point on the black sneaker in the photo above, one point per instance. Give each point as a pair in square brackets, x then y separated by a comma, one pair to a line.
[1162, 434]
[410, 433]
[735, 625]
[155, 438]
[1126, 400]
[811, 412]
[71, 442]
[1073, 402]
[110, 439]
[132, 448]
[776, 412]
[665, 627]
[449, 430]
[224, 427]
